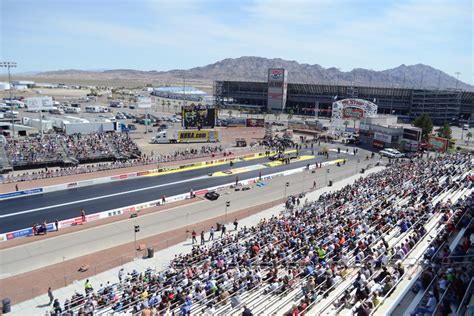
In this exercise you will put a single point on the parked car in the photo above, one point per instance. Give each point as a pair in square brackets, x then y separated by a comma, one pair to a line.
[391, 153]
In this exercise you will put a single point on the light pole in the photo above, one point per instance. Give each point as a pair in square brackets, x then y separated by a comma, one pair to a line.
[302, 184]
[326, 180]
[136, 229]
[457, 73]
[227, 204]
[8, 65]
[287, 184]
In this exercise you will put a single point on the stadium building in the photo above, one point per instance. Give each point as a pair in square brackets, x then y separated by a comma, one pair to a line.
[276, 95]
[176, 92]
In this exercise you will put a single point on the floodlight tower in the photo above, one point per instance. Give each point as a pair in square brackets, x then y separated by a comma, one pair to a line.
[8, 65]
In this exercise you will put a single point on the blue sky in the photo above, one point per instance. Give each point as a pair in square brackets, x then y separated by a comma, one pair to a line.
[165, 34]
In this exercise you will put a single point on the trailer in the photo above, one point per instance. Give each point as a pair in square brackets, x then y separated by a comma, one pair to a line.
[185, 136]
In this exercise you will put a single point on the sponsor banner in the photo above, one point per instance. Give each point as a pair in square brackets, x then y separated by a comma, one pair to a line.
[3, 237]
[93, 217]
[201, 192]
[378, 143]
[72, 185]
[438, 143]
[144, 102]
[129, 209]
[39, 103]
[66, 222]
[236, 122]
[250, 122]
[20, 193]
[114, 213]
[26, 232]
[383, 137]
[352, 113]
[143, 173]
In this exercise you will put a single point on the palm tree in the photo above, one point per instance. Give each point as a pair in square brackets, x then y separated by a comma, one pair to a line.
[290, 115]
[468, 136]
[229, 112]
[345, 124]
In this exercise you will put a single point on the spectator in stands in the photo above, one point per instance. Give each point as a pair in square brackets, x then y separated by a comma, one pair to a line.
[429, 307]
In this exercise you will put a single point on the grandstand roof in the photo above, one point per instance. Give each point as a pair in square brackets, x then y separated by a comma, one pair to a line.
[180, 90]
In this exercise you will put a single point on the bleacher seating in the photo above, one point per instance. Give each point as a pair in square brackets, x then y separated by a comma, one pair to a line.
[344, 253]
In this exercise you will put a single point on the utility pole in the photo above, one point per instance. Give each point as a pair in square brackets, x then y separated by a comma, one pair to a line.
[8, 65]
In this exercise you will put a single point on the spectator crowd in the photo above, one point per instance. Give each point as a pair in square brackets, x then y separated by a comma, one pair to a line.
[53, 172]
[367, 228]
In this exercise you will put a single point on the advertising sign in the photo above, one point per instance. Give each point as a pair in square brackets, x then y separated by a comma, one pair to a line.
[210, 136]
[275, 74]
[144, 102]
[236, 122]
[255, 122]
[198, 116]
[438, 143]
[379, 144]
[39, 103]
[383, 137]
[352, 113]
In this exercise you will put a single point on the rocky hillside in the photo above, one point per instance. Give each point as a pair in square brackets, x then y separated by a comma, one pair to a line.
[255, 69]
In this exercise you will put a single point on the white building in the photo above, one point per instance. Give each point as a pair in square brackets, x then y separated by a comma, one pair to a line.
[4, 86]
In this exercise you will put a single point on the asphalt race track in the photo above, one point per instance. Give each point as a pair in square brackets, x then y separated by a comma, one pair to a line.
[23, 212]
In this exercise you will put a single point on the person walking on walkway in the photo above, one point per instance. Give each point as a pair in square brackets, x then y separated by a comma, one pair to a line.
[88, 287]
[211, 233]
[223, 229]
[44, 227]
[236, 223]
[193, 234]
[50, 295]
[83, 215]
[120, 274]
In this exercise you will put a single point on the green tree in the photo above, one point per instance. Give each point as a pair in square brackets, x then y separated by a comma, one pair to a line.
[446, 131]
[346, 123]
[426, 124]
[290, 115]
[468, 136]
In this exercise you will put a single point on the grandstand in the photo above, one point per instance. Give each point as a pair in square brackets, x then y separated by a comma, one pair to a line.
[442, 105]
[187, 92]
[61, 150]
[358, 251]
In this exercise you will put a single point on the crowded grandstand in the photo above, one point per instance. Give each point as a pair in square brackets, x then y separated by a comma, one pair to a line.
[348, 252]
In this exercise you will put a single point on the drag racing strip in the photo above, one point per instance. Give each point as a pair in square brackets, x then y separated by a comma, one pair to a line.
[102, 197]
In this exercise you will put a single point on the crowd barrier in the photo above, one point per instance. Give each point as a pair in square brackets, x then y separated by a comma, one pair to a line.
[138, 207]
